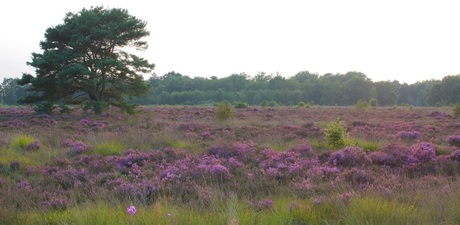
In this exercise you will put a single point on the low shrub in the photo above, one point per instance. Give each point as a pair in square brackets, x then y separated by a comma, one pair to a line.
[456, 109]
[225, 111]
[373, 102]
[335, 134]
[362, 105]
[240, 105]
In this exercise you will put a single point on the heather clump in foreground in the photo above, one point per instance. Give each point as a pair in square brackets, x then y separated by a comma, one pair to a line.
[179, 166]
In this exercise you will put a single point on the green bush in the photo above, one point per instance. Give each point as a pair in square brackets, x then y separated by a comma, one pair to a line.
[225, 111]
[272, 103]
[97, 106]
[240, 105]
[264, 103]
[301, 104]
[44, 108]
[456, 109]
[362, 105]
[373, 102]
[335, 134]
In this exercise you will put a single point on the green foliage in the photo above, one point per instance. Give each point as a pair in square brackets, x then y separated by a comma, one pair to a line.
[375, 210]
[335, 134]
[301, 104]
[386, 92]
[10, 91]
[240, 105]
[366, 145]
[272, 103]
[97, 106]
[21, 142]
[373, 102]
[456, 109]
[107, 148]
[225, 111]
[264, 104]
[44, 107]
[84, 59]
[362, 106]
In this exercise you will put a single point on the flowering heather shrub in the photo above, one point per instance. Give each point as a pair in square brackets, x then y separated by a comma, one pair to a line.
[358, 177]
[349, 156]
[206, 135]
[454, 140]
[421, 153]
[67, 143]
[222, 151]
[398, 155]
[319, 200]
[15, 124]
[383, 159]
[455, 155]
[78, 148]
[264, 204]
[87, 123]
[304, 188]
[131, 210]
[409, 135]
[55, 200]
[245, 151]
[24, 185]
[284, 165]
[304, 150]
[43, 121]
[34, 146]
[219, 172]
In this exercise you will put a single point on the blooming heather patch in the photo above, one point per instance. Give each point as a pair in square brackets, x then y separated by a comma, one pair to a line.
[78, 147]
[409, 135]
[349, 156]
[131, 210]
[34, 146]
[234, 158]
[421, 153]
[264, 204]
[454, 140]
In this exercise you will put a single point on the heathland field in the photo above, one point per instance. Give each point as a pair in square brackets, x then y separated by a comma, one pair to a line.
[191, 165]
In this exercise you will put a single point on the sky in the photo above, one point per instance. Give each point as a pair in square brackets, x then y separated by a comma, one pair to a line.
[404, 40]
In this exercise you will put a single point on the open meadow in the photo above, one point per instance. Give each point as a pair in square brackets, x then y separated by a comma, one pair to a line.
[181, 165]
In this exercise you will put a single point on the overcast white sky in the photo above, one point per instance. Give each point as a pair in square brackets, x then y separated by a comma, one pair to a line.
[408, 41]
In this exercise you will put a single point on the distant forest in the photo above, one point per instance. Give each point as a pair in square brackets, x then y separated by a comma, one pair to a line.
[329, 89]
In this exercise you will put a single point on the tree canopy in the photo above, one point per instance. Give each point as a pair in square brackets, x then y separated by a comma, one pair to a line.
[86, 61]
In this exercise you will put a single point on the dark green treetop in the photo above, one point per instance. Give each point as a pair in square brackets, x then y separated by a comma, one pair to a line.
[85, 60]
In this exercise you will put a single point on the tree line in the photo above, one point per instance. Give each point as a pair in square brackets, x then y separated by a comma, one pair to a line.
[329, 89]
[174, 88]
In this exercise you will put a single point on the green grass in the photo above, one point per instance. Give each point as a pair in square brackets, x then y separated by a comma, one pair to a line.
[20, 142]
[366, 145]
[106, 148]
[367, 209]
[376, 210]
